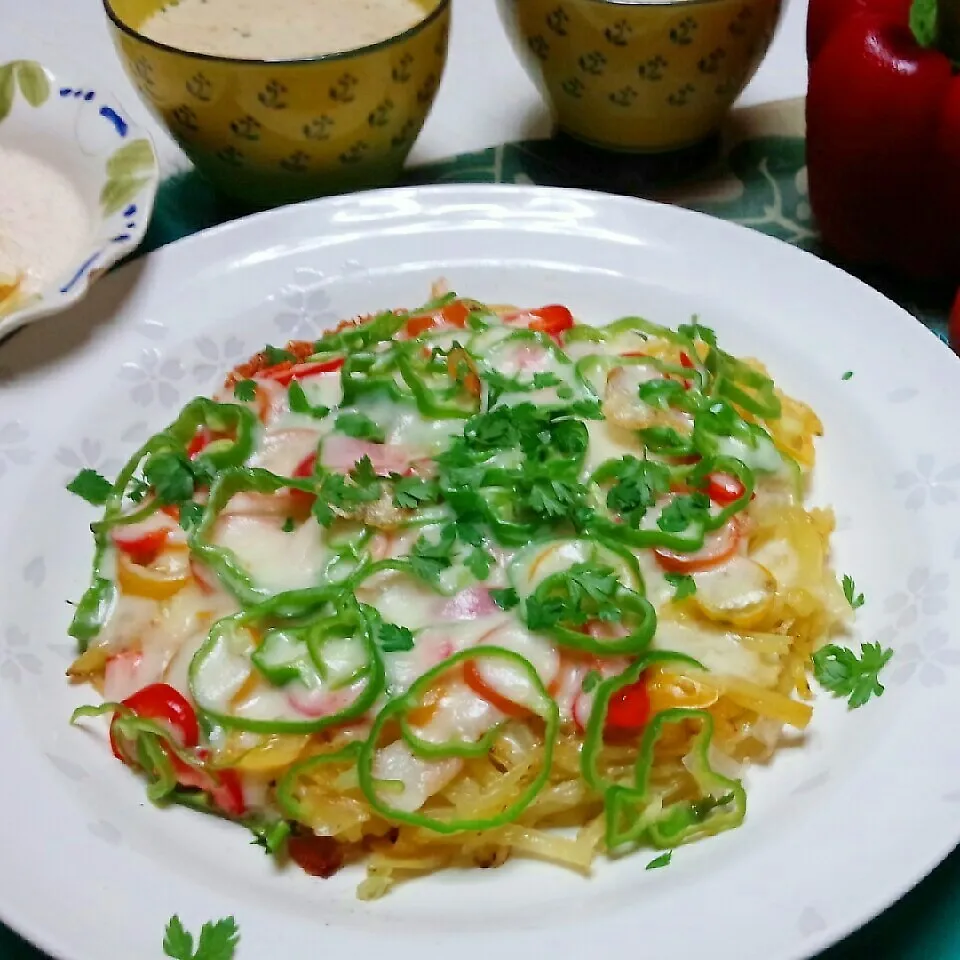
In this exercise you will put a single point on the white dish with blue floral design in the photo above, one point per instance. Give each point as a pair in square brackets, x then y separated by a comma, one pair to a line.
[77, 184]
[866, 803]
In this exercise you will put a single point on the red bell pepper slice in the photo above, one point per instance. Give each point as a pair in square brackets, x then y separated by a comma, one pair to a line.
[628, 711]
[285, 373]
[452, 315]
[883, 137]
[553, 320]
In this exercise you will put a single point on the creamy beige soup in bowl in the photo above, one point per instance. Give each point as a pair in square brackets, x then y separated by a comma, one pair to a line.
[279, 100]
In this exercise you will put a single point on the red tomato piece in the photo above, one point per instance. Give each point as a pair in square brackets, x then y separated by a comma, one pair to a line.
[474, 680]
[167, 706]
[629, 709]
[141, 547]
[553, 320]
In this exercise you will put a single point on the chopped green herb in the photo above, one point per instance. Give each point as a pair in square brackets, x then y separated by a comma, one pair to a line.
[662, 861]
[288, 525]
[684, 585]
[360, 426]
[409, 493]
[91, 486]
[299, 403]
[394, 639]
[848, 375]
[274, 355]
[191, 515]
[638, 484]
[838, 670]
[479, 563]
[217, 941]
[684, 511]
[856, 600]
[565, 392]
[172, 477]
[430, 558]
[505, 598]
[245, 390]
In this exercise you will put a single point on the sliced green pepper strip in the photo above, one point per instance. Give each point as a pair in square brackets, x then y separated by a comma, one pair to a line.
[290, 805]
[220, 635]
[395, 709]
[635, 813]
[593, 734]
[221, 561]
[428, 398]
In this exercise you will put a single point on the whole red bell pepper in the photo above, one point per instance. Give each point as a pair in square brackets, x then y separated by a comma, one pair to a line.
[883, 132]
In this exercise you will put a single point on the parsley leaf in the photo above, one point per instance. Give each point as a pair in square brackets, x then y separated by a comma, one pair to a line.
[299, 403]
[91, 486]
[848, 375]
[581, 593]
[430, 558]
[638, 485]
[662, 861]
[684, 511]
[409, 493]
[245, 390]
[505, 598]
[394, 639]
[850, 592]
[588, 409]
[191, 515]
[217, 941]
[360, 426]
[665, 440]
[479, 563]
[552, 499]
[684, 585]
[172, 477]
[840, 671]
[274, 355]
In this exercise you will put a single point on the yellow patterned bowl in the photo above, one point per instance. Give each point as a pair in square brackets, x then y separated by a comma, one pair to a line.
[641, 76]
[276, 131]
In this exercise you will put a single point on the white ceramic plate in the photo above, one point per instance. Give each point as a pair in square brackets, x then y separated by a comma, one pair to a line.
[80, 130]
[836, 829]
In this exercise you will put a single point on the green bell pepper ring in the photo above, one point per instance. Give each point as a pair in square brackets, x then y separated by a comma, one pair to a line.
[433, 402]
[287, 798]
[375, 680]
[395, 709]
[221, 561]
[633, 814]
[593, 734]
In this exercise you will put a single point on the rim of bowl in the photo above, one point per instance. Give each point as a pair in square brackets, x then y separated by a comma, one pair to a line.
[124, 27]
[643, 4]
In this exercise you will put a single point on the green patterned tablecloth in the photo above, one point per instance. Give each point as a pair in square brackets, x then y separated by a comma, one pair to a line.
[754, 176]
